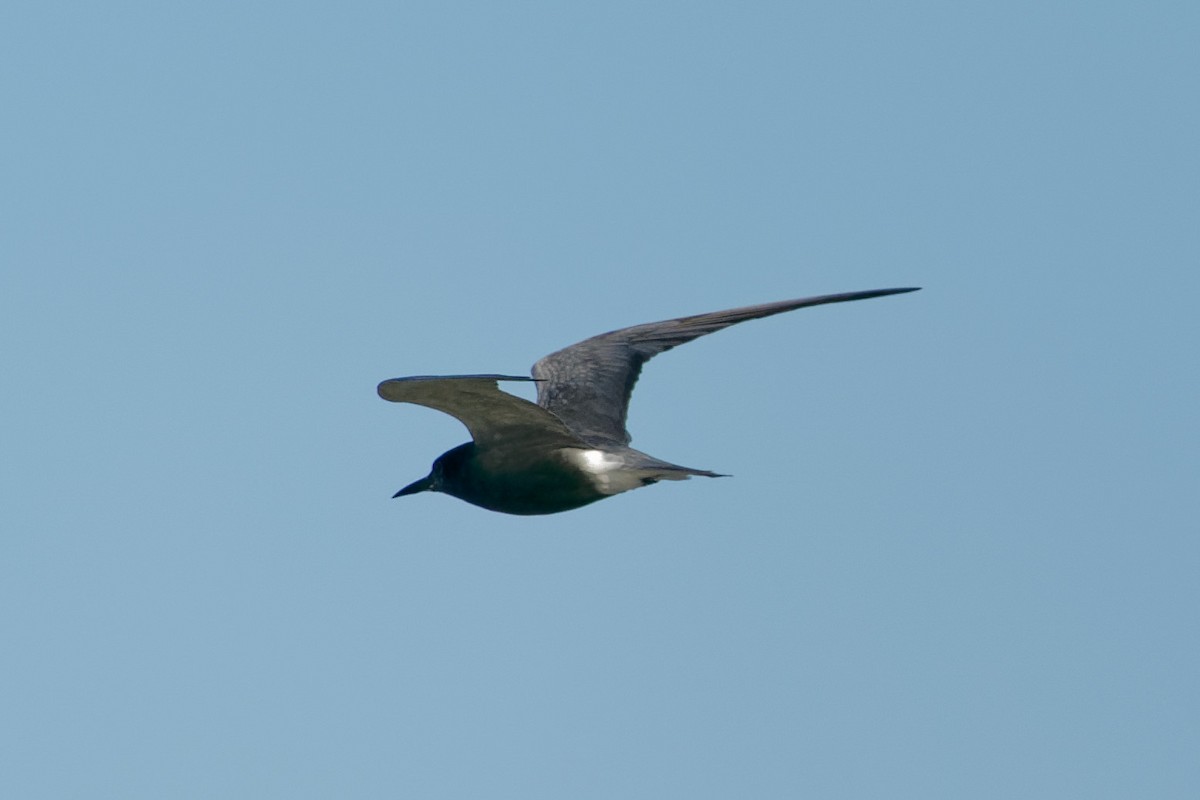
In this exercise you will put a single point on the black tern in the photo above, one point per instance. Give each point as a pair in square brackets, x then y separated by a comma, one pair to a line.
[571, 447]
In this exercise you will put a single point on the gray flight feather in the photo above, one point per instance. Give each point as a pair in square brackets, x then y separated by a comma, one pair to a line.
[588, 385]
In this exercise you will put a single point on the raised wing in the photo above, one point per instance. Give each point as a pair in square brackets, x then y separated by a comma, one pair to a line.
[588, 385]
[492, 416]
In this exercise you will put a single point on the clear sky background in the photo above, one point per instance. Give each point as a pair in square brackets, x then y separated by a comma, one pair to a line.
[959, 556]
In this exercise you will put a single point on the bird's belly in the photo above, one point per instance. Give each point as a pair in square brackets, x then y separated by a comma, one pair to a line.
[520, 482]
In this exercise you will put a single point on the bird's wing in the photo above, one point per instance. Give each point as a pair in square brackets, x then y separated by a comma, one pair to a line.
[492, 416]
[587, 385]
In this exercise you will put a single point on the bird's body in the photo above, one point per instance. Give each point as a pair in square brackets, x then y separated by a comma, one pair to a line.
[546, 480]
[571, 447]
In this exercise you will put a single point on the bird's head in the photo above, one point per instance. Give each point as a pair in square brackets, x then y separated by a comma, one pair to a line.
[444, 475]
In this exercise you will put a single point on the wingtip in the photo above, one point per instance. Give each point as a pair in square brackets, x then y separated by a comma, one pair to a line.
[393, 389]
[884, 292]
[842, 297]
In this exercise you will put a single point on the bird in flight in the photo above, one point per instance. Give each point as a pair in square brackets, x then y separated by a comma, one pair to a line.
[571, 448]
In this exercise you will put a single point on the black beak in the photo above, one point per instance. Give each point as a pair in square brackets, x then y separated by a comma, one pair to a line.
[423, 485]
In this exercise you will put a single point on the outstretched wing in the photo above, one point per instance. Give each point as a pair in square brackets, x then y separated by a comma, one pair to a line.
[587, 385]
[492, 416]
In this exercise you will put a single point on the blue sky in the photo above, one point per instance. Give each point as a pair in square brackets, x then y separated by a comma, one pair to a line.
[959, 554]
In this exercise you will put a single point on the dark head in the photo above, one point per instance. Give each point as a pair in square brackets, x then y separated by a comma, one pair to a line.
[446, 469]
